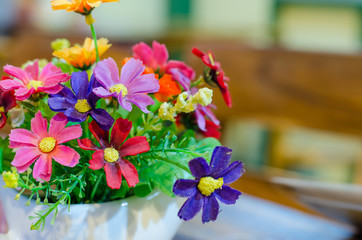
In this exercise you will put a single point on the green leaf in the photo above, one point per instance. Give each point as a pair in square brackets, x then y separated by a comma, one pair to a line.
[143, 189]
[120, 193]
[45, 109]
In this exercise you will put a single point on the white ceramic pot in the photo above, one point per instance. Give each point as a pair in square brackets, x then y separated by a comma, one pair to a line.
[153, 217]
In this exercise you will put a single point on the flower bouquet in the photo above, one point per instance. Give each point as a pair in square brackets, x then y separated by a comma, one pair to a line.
[86, 130]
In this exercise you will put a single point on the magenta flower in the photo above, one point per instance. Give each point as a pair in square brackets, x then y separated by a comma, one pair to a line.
[29, 81]
[41, 146]
[130, 87]
[157, 59]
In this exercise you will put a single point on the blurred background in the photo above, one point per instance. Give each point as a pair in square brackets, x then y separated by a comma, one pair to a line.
[295, 68]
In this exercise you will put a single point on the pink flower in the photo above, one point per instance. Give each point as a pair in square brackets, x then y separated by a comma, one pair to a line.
[41, 146]
[157, 59]
[29, 81]
[112, 151]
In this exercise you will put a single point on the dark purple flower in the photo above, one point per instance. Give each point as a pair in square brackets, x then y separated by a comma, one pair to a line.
[209, 185]
[131, 87]
[78, 104]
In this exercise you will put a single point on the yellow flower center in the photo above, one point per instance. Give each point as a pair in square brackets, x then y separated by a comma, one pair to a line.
[208, 185]
[111, 155]
[47, 144]
[119, 88]
[2, 109]
[82, 106]
[34, 84]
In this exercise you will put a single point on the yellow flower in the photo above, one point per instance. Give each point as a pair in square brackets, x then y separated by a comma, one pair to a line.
[203, 97]
[83, 57]
[185, 104]
[84, 7]
[11, 179]
[167, 112]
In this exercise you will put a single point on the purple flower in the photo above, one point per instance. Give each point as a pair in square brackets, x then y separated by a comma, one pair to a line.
[130, 87]
[80, 102]
[209, 185]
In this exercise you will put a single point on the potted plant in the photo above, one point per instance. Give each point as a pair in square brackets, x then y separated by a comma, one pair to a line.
[96, 147]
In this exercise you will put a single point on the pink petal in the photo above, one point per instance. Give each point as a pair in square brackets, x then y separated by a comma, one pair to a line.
[87, 144]
[140, 100]
[57, 124]
[102, 92]
[50, 89]
[52, 72]
[134, 146]
[120, 131]
[69, 133]
[39, 125]
[10, 84]
[146, 83]
[106, 72]
[24, 157]
[97, 161]
[65, 155]
[33, 70]
[182, 67]
[113, 176]
[123, 101]
[23, 136]
[129, 172]
[132, 69]
[43, 168]
[23, 93]
[18, 73]
[201, 122]
[160, 53]
[143, 52]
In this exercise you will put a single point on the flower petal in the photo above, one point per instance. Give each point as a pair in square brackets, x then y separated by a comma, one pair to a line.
[191, 207]
[160, 53]
[23, 136]
[43, 168]
[120, 131]
[87, 144]
[227, 194]
[140, 100]
[134, 146]
[2, 119]
[23, 93]
[143, 52]
[113, 176]
[75, 116]
[59, 104]
[24, 157]
[146, 83]
[33, 70]
[79, 82]
[232, 173]
[106, 72]
[102, 117]
[102, 92]
[187, 71]
[69, 133]
[57, 124]
[199, 167]
[220, 159]
[185, 187]
[18, 73]
[132, 69]
[201, 122]
[210, 209]
[65, 155]
[39, 125]
[97, 161]
[129, 172]
[101, 135]
[7, 85]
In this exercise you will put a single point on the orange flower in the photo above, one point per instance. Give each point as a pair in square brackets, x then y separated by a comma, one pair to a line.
[84, 7]
[168, 88]
[82, 57]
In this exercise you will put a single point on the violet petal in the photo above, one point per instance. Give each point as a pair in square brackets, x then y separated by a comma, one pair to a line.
[199, 167]
[185, 187]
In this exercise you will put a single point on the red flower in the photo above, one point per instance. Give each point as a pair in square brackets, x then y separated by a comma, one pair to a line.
[7, 102]
[215, 75]
[110, 155]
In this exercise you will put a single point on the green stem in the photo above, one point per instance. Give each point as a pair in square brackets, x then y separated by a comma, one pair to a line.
[95, 41]
[199, 81]
[96, 187]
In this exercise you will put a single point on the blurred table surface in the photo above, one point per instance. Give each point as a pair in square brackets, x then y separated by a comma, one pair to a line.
[254, 218]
